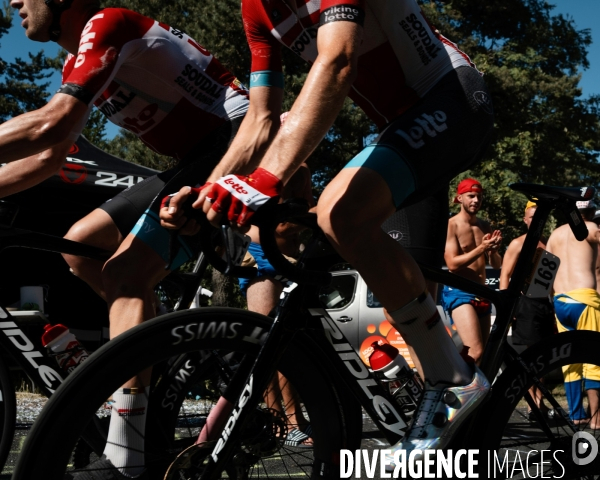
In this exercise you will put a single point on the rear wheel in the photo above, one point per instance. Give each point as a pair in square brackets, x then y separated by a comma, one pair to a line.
[205, 348]
[8, 413]
[517, 443]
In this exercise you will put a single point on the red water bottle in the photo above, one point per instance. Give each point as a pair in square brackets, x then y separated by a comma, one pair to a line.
[64, 346]
[391, 368]
[387, 362]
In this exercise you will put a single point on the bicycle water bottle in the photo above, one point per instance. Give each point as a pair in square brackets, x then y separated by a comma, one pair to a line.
[392, 369]
[64, 346]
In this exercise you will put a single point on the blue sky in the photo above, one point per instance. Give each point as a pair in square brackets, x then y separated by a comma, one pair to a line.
[586, 14]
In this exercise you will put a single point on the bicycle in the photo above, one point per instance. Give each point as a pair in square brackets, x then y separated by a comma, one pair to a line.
[27, 353]
[333, 383]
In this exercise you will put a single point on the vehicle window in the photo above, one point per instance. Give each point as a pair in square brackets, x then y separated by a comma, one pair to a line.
[372, 301]
[339, 294]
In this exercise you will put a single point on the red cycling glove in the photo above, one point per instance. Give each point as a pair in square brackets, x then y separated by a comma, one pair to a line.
[240, 196]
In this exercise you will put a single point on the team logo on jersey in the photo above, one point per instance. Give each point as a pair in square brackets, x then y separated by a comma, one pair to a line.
[305, 44]
[484, 100]
[426, 45]
[425, 124]
[85, 43]
[396, 235]
[345, 13]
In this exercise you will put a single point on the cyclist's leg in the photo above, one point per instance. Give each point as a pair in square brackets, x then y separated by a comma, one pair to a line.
[109, 224]
[218, 338]
[452, 129]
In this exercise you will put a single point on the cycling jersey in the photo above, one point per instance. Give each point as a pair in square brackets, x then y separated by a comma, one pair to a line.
[400, 59]
[152, 80]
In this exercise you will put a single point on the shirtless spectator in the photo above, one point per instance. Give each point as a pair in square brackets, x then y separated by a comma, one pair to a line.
[470, 244]
[577, 305]
[534, 317]
[597, 222]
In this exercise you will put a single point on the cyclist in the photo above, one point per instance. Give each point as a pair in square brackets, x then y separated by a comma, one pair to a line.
[158, 83]
[436, 120]
[470, 244]
[577, 306]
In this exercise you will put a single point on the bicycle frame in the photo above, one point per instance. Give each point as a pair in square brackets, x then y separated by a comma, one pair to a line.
[347, 366]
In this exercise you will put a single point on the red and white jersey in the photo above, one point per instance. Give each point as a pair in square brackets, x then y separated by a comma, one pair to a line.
[152, 80]
[400, 59]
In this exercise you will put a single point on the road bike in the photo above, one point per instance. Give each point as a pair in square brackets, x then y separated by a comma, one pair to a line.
[245, 349]
[20, 340]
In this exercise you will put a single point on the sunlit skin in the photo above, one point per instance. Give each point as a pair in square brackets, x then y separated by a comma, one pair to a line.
[578, 270]
[36, 18]
[470, 242]
[358, 200]
[36, 144]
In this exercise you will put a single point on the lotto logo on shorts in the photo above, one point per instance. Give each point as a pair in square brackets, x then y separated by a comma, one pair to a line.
[426, 124]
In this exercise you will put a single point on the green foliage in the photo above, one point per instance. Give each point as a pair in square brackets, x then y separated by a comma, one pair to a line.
[22, 85]
[94, 129]
[544, 131]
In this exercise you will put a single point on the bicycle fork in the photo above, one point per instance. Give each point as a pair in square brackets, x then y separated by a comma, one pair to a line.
[248, 385]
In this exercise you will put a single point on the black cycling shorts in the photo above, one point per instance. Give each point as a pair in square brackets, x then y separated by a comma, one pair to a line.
[442, 135]
[421, 228]
[127, 207]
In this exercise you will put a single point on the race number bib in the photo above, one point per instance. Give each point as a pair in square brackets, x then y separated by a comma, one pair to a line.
[543, 274]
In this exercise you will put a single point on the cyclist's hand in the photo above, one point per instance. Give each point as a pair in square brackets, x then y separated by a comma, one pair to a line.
[172, 213]
[239, 196]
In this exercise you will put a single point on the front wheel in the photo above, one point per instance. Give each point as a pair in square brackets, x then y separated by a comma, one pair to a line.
[8, 413]
[209, 345]
[522, 441]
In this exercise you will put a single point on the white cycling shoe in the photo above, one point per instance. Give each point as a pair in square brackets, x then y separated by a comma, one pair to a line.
[439, 414]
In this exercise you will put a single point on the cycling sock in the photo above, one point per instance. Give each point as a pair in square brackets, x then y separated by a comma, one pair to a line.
[125, 443]
[420, 325]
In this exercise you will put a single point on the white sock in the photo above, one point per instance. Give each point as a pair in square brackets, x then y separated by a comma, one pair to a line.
[421, 326]
[125, 443]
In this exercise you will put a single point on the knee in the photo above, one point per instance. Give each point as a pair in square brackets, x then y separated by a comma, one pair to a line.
[77, 233]
[123, 277]
[346, 227]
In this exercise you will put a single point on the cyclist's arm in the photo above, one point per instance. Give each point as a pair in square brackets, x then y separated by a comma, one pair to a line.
[319, 101]
[509, 262]
[33, 132]
[28, 172]
[256, 132]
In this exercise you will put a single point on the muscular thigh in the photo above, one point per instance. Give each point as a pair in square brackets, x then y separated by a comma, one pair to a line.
[421, 228]
[444, 134]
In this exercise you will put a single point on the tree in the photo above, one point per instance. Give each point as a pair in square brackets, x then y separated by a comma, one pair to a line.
[544, 131]
[22, 83]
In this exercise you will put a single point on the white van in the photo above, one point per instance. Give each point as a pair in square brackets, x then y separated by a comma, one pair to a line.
[360, 315]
